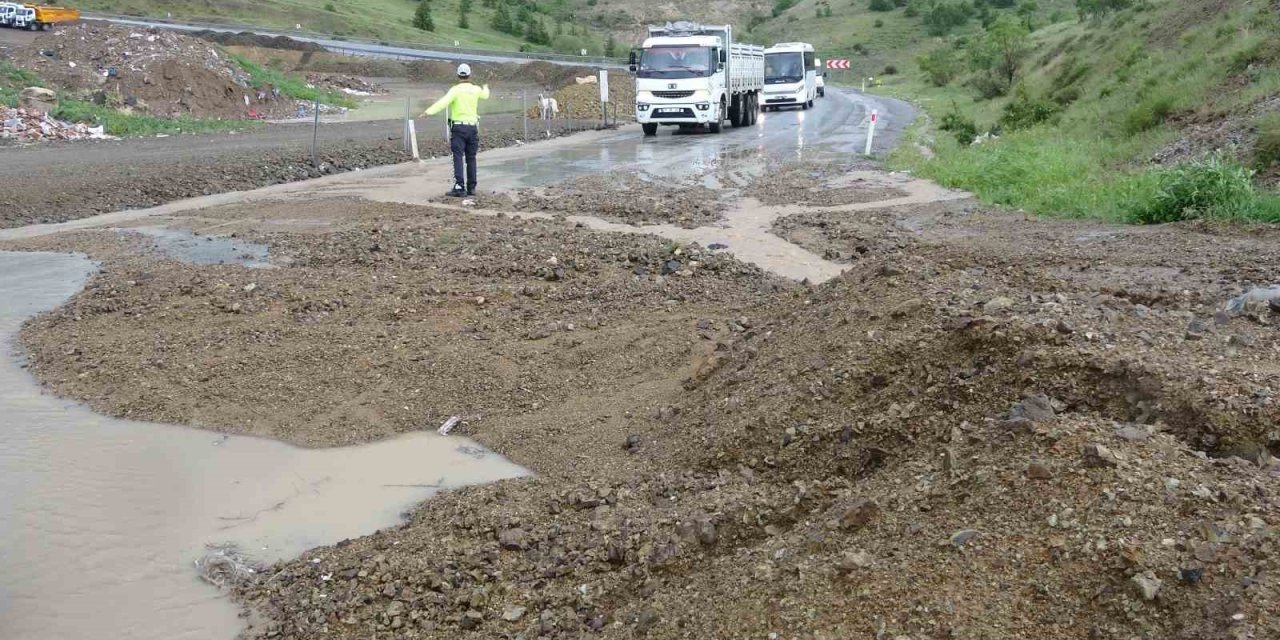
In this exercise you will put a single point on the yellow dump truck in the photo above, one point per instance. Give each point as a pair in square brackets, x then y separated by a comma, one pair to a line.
[35, 17]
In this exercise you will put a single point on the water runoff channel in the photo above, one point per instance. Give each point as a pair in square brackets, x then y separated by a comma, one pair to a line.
[103, 521]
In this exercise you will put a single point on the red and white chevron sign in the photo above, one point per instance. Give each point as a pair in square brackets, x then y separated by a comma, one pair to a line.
[837, 64]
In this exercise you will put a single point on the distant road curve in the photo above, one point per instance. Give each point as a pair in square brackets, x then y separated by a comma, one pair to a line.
[371, 49]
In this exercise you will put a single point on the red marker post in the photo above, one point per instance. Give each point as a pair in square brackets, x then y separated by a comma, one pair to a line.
[871, 131]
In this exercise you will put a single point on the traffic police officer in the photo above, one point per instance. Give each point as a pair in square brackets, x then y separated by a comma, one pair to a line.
[463, 101]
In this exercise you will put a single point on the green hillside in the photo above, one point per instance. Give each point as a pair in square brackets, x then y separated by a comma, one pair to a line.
[1147, 112]
[535, 26]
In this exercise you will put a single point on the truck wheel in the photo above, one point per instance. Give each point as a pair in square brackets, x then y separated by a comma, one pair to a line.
[754, 110]
[650, 129]
[718, 125]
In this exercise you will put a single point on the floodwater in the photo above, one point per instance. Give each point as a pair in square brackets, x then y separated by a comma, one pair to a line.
[188, 247]
[102, 520]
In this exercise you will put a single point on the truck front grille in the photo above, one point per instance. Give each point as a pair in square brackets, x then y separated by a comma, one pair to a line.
[673, 95]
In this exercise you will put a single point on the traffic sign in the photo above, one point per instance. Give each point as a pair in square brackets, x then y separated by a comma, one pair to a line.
[838, 64]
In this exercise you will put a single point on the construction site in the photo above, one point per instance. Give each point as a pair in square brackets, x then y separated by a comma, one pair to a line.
[268, 381]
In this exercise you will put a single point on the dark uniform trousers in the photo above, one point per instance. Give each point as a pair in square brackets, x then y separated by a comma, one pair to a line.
[464, 142]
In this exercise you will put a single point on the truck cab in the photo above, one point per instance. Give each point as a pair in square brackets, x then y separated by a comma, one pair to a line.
[25, 18]
[695, 75]
[8, 13]
[790, 75]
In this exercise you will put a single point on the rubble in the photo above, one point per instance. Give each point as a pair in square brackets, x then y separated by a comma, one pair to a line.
[23, 126]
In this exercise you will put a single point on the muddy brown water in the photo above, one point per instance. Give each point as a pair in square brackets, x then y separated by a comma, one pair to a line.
[102, 520]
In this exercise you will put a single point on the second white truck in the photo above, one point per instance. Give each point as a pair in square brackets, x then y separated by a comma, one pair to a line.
[690, 75]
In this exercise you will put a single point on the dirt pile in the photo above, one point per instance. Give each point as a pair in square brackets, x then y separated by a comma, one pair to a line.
[817, 184]
[23, 126]
[582, 101]
[498, 318]
[628, 198]
[250, 39]
[149, 71]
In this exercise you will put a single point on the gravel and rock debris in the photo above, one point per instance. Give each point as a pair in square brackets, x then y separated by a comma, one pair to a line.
[818, 184]
[628, 198]
[988, 427]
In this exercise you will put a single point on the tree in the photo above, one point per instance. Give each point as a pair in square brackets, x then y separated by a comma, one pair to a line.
[1027, 12]
[502, 22]
[943, 17]
[1002, 51]
[422, 16]
[464, 8]
[940, 66]
[610, 46]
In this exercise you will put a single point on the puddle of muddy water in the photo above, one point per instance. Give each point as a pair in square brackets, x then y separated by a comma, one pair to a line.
[188, 247]
[102, 520]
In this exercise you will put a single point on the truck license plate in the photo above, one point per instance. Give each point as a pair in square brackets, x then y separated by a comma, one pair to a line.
[670, 110]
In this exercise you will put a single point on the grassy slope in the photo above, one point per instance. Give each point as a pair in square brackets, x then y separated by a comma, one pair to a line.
[385, 20]
[1092, 159]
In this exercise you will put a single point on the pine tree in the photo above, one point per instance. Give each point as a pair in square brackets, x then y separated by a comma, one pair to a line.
[610, 46]
[502, 20]
[464, 8]
[422, 16]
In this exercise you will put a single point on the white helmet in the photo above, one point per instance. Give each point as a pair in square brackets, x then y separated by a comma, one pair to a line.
[464, 70]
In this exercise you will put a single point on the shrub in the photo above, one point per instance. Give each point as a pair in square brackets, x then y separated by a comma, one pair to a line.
[890, 70]
[328, 6]
[1149, 114]
[1212, 187]
[1026, 111]
[963, 129]
[879, 23]
[940, 66]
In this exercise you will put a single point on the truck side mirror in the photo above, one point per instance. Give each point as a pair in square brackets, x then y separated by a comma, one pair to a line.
[633, 61]
[724, 56]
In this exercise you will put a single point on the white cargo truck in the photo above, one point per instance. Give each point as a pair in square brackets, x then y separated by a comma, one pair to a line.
[8, 13]
[790, 75]
[690, 74]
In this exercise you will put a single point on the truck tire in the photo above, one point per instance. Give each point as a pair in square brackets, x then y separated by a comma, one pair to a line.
[737, 111]
[753, 109]
[650, 129]
[718, 125]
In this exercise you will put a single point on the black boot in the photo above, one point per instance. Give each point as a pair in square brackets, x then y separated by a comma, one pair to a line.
[458, 191]
[471, 190]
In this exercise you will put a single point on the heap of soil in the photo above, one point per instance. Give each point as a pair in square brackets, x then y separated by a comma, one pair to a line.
[995, 428]
[582, 101]
[151, 71]
[628, 198]
[818, 184]
[250, 39]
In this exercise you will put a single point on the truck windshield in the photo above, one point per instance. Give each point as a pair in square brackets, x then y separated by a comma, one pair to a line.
[675, 62]
[783, 68]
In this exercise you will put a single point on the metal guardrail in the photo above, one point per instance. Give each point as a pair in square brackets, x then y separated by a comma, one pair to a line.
[336, 42]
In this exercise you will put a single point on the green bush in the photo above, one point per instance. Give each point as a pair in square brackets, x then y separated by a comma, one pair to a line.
[1026, 111]
[940, 66]
[963, 129]
[1212, 187]
[879, 23]
[290, 86]
[890, 70]
[1149, 114]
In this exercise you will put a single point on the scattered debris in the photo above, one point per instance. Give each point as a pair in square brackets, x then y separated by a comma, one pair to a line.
[449, 425]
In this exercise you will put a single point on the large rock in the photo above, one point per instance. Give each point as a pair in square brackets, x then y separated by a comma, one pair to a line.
[38, 99]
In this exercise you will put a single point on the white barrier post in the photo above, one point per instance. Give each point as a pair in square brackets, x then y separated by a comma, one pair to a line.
[871, 131]
[413, 140]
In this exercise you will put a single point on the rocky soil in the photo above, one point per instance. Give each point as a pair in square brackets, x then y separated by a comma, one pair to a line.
[486, 319]
[628, 198]
[988, 427]
[817, 184]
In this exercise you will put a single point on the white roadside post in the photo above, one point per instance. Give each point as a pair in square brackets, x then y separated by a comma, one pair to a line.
[604, 97]
[413, 140]
[871, 131]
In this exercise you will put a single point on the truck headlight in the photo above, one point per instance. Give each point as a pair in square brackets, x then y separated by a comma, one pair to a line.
[642, 107]
[703, 106]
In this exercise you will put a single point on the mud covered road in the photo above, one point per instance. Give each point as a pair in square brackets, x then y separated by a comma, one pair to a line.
[766, 390]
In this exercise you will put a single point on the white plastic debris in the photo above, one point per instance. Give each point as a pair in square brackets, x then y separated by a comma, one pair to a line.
[449, 424]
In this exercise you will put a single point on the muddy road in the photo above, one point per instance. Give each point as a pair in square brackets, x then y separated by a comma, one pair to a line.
[763, 387]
